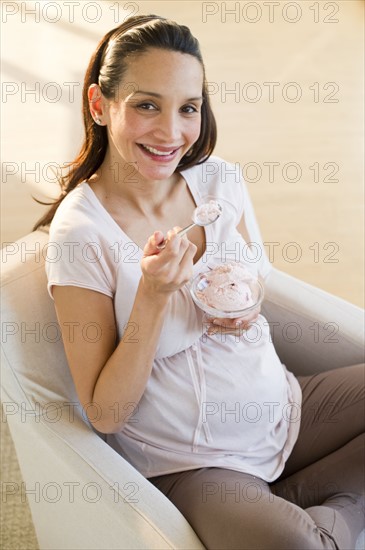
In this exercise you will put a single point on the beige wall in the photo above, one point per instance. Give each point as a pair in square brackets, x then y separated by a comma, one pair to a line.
[294, 122]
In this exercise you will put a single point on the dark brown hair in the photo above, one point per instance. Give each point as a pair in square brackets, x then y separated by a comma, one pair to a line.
[107, 66]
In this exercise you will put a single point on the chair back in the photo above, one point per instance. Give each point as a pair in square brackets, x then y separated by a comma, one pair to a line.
[35, 374]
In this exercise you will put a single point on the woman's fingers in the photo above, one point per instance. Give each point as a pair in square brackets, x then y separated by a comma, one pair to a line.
[171, 267]
[173, 242]
[175, 245]
[232, 326]
[236, 330]
[179, 253]
[154, 240]
[186, 263]
[237, 321]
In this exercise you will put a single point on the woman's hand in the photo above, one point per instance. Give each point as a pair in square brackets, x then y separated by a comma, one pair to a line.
[232, 326]
[167, 270]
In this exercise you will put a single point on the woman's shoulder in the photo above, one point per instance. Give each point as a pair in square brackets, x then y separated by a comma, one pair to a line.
[78, 199]
[77, 213]
[215, 169]
[217, 177]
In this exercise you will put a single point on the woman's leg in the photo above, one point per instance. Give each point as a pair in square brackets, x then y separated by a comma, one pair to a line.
[333, 413]
[325, 473]
[316, 504]
[233, 510]
[331, 491]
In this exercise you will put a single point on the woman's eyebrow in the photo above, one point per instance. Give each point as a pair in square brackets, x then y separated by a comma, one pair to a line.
[159, 95]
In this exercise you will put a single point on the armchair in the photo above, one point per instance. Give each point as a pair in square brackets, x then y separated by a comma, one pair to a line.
[82, 494]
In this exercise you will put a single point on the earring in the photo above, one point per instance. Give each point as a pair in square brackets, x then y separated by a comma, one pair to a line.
[98, 121]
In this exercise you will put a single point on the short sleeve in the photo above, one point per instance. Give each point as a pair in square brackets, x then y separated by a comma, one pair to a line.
[256, 242]
[236, 191]
[75, 256]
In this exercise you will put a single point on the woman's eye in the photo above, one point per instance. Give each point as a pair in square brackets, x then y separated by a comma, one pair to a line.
[189, 109]
[146, 106]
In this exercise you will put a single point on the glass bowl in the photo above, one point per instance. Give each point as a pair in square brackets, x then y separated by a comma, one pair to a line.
[199, 284]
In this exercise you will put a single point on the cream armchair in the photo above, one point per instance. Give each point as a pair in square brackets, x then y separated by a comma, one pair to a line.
[82, 494]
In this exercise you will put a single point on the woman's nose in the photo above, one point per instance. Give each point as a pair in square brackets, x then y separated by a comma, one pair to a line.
[168, 128]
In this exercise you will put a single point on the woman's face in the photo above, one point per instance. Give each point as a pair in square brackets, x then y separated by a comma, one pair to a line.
[157, 115]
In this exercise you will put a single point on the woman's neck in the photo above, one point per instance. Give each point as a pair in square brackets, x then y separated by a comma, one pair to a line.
[121, 183]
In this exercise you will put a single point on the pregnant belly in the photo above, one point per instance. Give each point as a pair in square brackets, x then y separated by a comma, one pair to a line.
[229, 395]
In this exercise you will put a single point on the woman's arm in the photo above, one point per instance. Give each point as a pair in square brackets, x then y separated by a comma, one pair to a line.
[110, 379]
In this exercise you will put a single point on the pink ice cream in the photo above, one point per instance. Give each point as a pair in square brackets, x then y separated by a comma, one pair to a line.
[227, 287]
[207, 212]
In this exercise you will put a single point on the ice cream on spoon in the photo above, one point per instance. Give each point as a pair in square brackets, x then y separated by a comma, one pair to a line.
[204, 214]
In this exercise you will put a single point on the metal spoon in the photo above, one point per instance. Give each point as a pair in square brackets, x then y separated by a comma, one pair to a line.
[204, 214]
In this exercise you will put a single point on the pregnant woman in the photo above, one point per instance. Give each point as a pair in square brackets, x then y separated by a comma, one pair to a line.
[252, 456]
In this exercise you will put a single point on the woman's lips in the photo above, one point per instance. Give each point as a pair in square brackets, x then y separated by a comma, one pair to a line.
[164, 154]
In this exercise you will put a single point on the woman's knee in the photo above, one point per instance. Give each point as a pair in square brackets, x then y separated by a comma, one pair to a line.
[260, 530]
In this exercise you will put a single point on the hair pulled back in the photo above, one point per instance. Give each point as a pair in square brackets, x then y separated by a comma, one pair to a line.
[107, 67]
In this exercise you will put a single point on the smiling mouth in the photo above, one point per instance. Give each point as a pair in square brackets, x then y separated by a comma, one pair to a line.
[158, 152]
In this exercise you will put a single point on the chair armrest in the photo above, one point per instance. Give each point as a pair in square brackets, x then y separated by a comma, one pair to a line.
[81, 492]
[312, 330]
[101, 503]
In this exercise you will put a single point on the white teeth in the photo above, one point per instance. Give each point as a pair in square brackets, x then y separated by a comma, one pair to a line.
[155, 152]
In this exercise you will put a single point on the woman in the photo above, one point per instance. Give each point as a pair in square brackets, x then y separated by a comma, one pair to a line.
[203, 415]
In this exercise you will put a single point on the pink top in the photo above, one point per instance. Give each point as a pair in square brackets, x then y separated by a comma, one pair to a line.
[211, 401]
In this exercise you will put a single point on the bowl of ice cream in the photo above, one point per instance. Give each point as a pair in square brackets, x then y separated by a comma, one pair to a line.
[228, 290]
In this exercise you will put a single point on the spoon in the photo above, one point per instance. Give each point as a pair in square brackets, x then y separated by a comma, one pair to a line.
[204, 214]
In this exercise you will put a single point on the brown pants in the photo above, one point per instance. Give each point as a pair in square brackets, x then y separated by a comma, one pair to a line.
[318, 502]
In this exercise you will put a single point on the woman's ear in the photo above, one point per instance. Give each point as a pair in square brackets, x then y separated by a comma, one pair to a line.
[96, 103]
